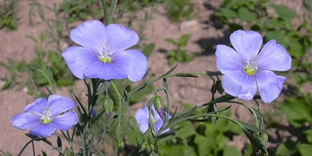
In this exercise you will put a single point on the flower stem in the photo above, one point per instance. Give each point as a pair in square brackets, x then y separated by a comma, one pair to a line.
[33, 148]
[119, 97]
[118, 135]
[105, 11]
[24, 147]
[113, 7]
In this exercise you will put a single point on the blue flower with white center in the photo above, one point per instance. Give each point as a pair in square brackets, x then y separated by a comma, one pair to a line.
[246, 70]
[44, 116]
[103, 53]
[143, 118]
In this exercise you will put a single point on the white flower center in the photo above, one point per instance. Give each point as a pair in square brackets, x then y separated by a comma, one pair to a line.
[46, 117]
[105, 54]
[251, 68]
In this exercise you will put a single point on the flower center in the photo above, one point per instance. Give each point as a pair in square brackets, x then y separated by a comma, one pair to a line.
[105, 58]
[154, 121]
[251, 68]
[105, 55]
[46, 117]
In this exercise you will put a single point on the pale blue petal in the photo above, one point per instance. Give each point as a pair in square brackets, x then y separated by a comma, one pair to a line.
[237, 83]
[158, 125]
[142, 117]
[228, 59]
[246, 43]
[274, 56]
[138, 64]
[78, 59]
[59, 104]
[117, 69]
[66, 120]
[166, 130]
[38, 106]
[25, 120]
[270, 85]
[43, 130]
[120, 37]
[160, 121]
[144, 127]
[91, 35]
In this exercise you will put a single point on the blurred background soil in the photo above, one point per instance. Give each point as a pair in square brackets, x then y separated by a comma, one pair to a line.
[204, 29]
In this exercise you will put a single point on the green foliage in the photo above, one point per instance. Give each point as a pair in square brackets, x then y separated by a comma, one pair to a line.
[299, 114]
[8, 19]
[179, 54]
[80, 10]
[148, 49]
[136, 5]
[308, 5]
[203, 139]
[179, 10]
[298, 110]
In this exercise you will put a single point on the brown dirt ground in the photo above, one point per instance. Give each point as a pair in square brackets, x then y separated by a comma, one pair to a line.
[14, 45]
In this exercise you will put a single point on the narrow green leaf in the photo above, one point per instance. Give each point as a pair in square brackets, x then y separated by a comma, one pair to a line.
[148, 49]
[170, 40]
[59, 143]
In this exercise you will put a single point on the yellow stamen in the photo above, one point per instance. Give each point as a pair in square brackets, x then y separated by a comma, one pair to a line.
[46, 121]
[250, 71]
[251, 68]
[105, 59]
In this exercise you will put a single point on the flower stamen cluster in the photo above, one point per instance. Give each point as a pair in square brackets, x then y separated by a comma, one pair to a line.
[46, 117]
[251, 68]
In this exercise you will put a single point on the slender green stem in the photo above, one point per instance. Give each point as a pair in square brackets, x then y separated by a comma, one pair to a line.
[105, 11]
[119, 97]
[65, 136]
[113, 7]
[24, 147]
[47, 77]
[211, 73]
[214, 73]
[119, 115]
[224, 98]
[54, 148]
[33, 148]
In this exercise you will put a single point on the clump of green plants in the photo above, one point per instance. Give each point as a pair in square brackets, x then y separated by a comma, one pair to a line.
[46, 69]
[8, 17]
[180, 53]
[204, 139]
[136, 5]
[179, 10]
[80, 10]
[298, 110]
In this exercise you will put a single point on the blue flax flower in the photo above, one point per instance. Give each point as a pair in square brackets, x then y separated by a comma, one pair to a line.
[247, 70]
[103, 52]
[143, 118]
[44, 116]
